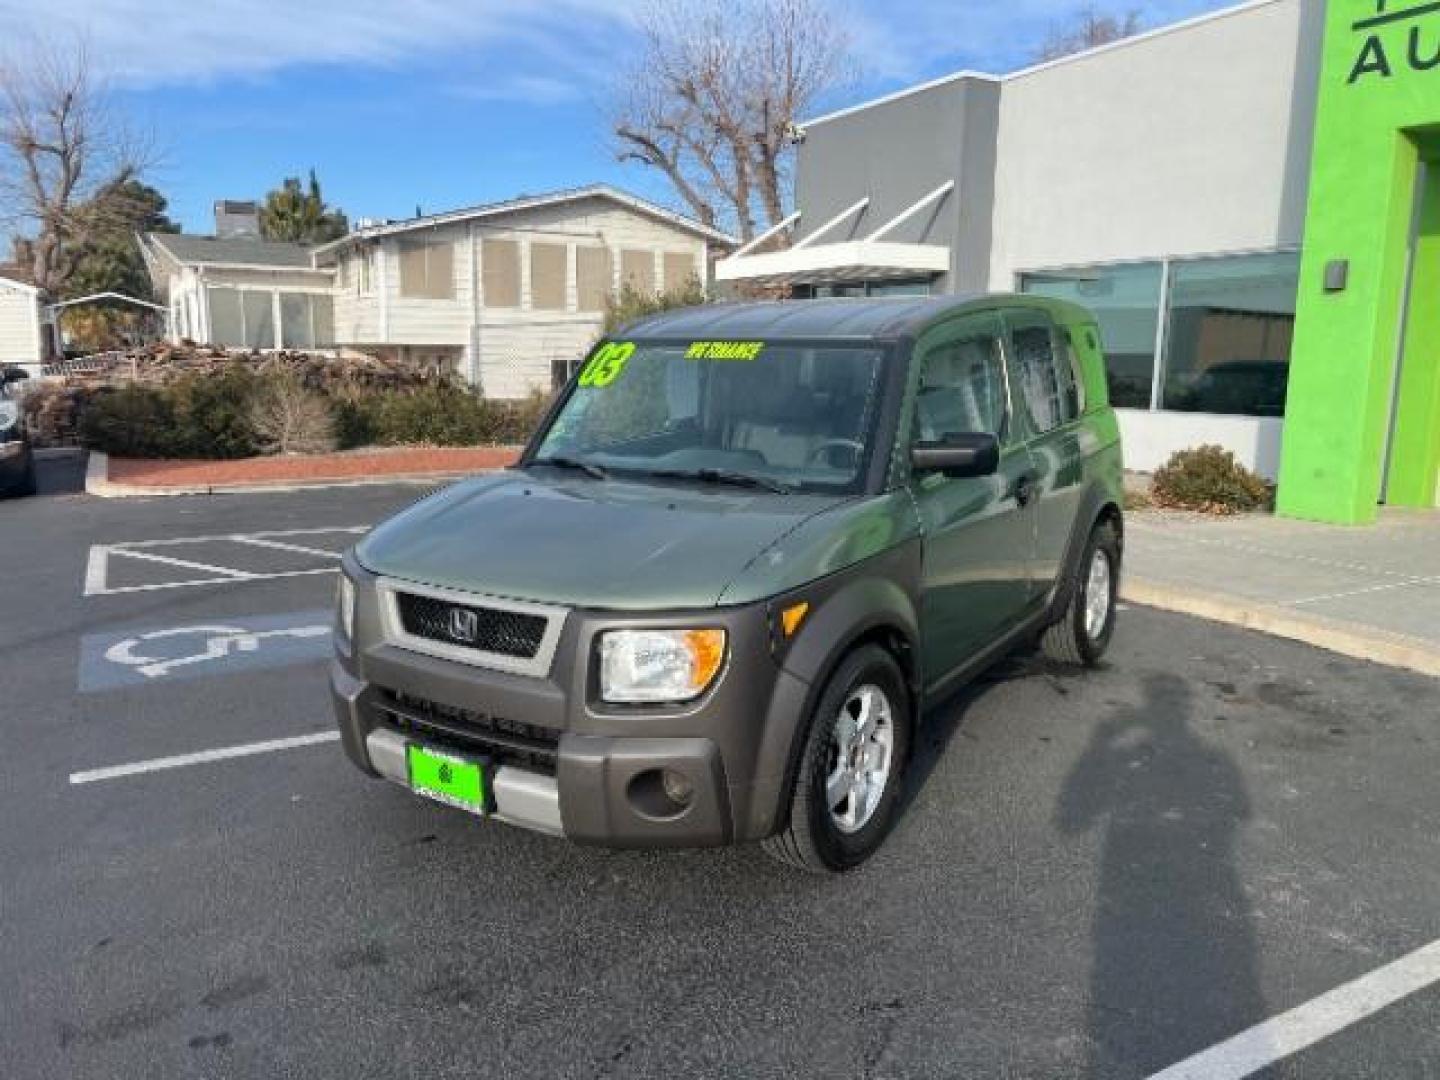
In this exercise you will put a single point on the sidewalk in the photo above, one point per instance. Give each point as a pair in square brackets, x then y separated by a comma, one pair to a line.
[1372, 592]
[113, 477]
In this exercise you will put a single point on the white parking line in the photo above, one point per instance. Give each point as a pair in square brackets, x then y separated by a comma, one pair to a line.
[276, 545]
[150, 556]
[1304, 1026]
[105, 556]
[224, 753]
[119, 589]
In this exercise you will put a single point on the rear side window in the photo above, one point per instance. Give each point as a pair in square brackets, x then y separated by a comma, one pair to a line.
[1043, 370]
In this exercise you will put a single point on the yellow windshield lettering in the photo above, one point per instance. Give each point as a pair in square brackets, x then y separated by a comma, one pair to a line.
[725, 350]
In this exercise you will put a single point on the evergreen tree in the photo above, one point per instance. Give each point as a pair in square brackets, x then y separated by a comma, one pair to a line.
[293, 212]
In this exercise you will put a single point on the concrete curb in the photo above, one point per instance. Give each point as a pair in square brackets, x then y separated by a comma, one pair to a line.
[99, 484]
[1348, 639]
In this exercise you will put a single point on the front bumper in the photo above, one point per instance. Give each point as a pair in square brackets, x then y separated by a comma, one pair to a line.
[566, 764]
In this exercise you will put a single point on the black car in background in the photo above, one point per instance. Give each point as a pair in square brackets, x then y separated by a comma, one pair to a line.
[17, 460]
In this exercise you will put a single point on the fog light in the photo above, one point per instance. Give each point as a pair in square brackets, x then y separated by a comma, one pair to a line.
[678, 788]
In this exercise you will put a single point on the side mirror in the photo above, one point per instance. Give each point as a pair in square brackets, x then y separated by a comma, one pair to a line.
[976, 454]
[15, 374]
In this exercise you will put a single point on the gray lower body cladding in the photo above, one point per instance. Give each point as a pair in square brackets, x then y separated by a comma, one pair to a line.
[563, 761]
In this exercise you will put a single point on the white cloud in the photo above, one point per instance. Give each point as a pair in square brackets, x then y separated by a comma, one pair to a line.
[550, 50]
[151, 42]
[530, 89]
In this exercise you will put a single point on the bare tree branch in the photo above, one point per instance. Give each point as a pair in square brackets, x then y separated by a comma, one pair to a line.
[714, 96]
[1087, 29]
[61, 144]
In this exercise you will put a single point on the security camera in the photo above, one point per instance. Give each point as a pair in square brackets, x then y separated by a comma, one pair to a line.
[794, 134]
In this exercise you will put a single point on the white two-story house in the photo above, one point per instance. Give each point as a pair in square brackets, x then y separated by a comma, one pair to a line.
[509, 294]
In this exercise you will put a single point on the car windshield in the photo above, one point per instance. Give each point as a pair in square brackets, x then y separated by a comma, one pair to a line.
[779, 414]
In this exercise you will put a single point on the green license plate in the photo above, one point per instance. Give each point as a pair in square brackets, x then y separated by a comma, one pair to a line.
[446, 778]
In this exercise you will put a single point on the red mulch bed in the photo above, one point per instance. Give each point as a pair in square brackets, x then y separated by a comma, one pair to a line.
[312, 467]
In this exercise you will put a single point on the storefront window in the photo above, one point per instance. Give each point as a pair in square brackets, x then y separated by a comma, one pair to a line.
[1230, 326]
[1126, 302]
[901, 287]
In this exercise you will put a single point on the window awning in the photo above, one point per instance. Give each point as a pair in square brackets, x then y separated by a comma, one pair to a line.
[869, 259]
[853, 260]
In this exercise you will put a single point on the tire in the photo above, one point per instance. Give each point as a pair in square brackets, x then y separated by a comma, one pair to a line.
[28, 486]
[815, 837]
[1081, 635]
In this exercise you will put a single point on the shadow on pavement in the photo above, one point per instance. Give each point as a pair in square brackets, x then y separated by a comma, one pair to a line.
[1175, 962]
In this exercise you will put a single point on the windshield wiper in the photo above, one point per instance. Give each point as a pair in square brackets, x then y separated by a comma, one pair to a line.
[595, 472]
[725, 476]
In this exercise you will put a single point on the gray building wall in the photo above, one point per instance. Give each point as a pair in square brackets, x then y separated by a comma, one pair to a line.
[1189, 142]
[897, 152]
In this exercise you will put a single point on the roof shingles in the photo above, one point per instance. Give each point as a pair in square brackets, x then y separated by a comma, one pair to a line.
[233, 251]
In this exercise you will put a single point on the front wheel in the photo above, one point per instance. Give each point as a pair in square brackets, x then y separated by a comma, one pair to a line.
[851, 768]
[1083, 632]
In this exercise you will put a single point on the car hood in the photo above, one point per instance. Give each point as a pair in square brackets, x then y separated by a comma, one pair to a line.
[580, 542]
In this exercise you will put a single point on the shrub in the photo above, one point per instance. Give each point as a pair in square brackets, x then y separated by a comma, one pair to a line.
[52, 414]
[356, 420]
[632, 304]
[435, 416]
[240, 411]
[1209, 479]
[212, 414]
[289, 419]
[130, 421]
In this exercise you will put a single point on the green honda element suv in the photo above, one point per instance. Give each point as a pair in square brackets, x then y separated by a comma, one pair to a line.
[748, 544]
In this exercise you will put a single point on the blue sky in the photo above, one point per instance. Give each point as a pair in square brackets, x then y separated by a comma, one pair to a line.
[445, 104]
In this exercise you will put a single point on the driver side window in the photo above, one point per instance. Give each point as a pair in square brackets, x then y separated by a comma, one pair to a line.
[962, 382]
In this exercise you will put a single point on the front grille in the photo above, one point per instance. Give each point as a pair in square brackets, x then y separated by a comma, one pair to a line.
[469, 626]
[506, 742]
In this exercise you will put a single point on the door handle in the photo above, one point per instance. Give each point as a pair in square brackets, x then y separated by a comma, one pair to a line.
[1026, 488]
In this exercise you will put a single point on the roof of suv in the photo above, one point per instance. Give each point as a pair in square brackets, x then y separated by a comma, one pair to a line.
[831, 318]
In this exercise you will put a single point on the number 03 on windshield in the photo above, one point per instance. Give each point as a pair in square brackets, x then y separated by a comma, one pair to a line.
[607, 364]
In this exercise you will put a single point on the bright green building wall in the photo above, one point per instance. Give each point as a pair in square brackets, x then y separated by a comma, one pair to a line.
[1378, 115]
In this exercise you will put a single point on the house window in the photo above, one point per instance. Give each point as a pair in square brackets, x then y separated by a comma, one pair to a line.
[500, 275]
[562, 368]
[362, 270]
[258, 310]
[548, 276]
[1126, 303]
[306, 320]
[427, 270]
[594, 277]
[637, 270]
[679, 270]
[227, 322]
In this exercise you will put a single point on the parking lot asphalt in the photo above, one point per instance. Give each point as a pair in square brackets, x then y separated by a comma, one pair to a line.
[1096, 875]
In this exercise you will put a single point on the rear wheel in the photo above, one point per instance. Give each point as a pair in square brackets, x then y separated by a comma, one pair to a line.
[851, 768]
[1083, 633]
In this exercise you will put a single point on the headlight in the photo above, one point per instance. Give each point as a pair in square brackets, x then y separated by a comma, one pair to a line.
[659, 665]
[345, 610]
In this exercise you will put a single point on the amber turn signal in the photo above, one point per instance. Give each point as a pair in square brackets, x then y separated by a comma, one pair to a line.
[793, 616]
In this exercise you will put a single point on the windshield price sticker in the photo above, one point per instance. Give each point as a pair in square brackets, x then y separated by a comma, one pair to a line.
[725, 350]
[607, 364]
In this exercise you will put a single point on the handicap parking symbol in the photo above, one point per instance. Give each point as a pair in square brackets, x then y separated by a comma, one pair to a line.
[158, 655]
